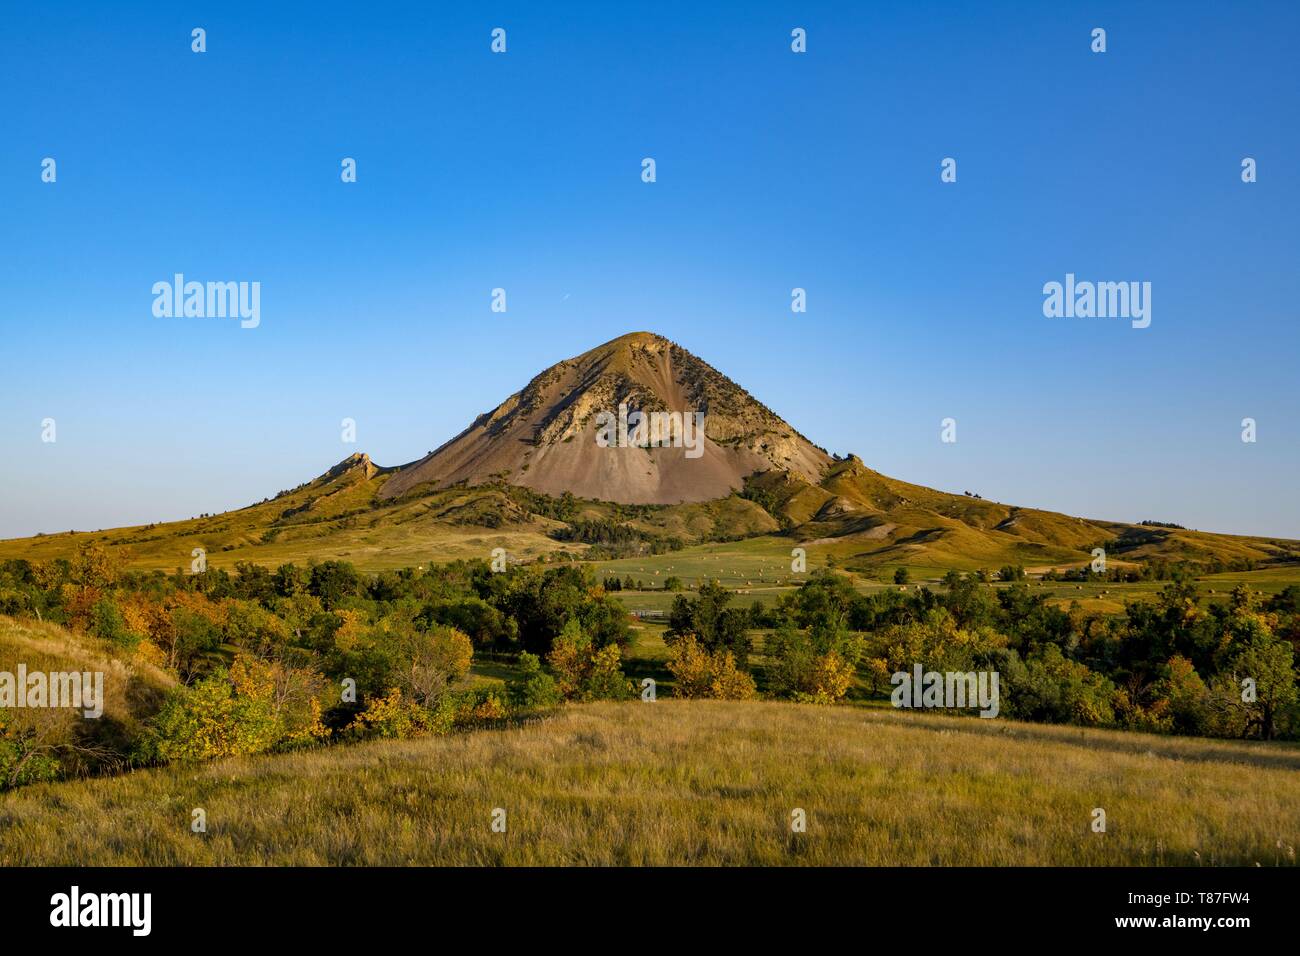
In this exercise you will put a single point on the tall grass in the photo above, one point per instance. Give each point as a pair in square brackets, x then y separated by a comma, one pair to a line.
[693, 782]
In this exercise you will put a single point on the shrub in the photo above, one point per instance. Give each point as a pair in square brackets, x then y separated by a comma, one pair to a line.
[23, 757]
[395, 717]
[479, 707]
[207, 721]
[533, 689]
[702, 673]
[585, 672]
[253, 707]
[107, 622]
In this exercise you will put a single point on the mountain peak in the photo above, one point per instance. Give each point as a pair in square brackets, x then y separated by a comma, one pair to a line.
[356, 461]
[544, 436]
[635, 338]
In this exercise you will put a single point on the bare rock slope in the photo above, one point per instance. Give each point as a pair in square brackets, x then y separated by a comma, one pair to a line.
[544, 437]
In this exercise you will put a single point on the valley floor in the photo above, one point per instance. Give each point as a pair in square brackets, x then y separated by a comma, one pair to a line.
[692, 782]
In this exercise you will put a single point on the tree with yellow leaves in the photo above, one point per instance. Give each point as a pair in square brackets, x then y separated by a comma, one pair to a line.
[703, 673]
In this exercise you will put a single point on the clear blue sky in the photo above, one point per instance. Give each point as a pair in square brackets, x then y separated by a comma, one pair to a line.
[775, 170]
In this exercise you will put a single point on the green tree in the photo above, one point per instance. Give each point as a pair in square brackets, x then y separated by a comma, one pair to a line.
[533, 688]
[1270, 664]
[715, 625]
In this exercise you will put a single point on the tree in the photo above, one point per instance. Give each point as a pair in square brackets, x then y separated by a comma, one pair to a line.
[702, 673]
[824, 604]
[533, 689]
[711, 622]
[107, 623]
[543, 604]
[800, 671]
[1187, 697]
[584, 671]
[93, 567]
[333, 581]
[190, 635]
[290, 580]
[901, 576]
[1270, 664]
[433, 660]
[1060, 690]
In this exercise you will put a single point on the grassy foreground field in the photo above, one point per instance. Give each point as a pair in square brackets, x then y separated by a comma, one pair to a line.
[693, 782]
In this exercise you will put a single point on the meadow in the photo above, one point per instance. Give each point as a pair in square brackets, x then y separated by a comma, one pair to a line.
[224, 698]
[692, 782]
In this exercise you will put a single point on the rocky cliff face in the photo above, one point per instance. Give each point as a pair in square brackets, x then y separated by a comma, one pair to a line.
[544, 437]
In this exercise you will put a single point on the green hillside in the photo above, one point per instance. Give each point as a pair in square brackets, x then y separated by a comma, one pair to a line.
[858, 518]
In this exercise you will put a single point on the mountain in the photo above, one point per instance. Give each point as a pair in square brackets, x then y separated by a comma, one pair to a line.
[544, 437]
[531, 478]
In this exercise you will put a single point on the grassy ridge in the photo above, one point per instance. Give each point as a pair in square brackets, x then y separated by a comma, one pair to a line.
[696, 782]
[857, 518]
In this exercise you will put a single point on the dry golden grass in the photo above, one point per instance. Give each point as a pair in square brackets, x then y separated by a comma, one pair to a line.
[133, 690]
[698, 782]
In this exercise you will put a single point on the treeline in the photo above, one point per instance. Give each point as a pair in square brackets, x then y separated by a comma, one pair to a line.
[612, 539]
[1172, 665]
[627, 583]
[275, 659]
[270, 660]
[1153, 570]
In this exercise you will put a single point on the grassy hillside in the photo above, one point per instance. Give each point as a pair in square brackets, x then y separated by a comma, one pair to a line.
[693, 783]
[334, 516]
[129, 685]
[133, 690]
[859, 519]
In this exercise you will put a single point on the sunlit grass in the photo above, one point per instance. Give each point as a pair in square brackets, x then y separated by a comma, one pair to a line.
[697, 782]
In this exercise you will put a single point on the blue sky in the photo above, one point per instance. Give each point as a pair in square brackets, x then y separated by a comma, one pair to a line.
[775, 170]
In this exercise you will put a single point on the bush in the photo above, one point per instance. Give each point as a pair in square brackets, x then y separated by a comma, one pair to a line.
[702, 673]
[394, 717]
[23, 758]
[253, 707]
[480, 707]
[106, 622]
[533, 689]
[585, 672]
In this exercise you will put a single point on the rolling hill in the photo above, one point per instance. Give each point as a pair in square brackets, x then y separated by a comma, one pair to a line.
[530, 477]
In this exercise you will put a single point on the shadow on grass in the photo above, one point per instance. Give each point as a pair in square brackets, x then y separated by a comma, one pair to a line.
[1285, 757]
